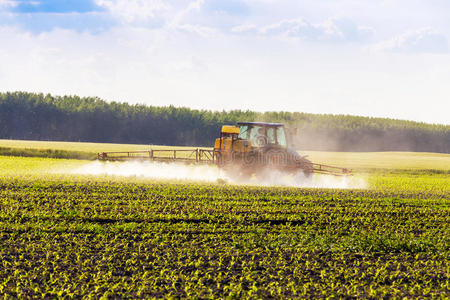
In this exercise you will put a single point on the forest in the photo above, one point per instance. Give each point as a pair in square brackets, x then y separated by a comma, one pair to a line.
[30, 116]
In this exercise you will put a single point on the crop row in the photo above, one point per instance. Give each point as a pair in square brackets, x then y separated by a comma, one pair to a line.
[142, 265]
[183, 240]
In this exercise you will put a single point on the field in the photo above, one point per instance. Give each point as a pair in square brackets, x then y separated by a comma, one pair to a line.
[354, 160]
[81, 146]
[75, 235]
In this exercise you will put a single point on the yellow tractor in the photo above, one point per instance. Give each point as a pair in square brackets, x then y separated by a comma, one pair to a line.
[242, 150]
[252, 148]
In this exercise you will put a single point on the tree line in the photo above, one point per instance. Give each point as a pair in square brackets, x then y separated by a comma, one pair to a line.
[31, 116]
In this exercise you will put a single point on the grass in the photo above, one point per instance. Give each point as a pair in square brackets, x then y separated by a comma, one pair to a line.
[37, 167]
[405, 161]
[48, 153]
[81, 146]
[384, 160]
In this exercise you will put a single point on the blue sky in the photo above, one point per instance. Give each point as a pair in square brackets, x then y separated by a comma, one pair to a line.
[55, 6]
[384, 58]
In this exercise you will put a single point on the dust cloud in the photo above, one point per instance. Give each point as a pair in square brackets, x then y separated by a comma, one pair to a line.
[177, 171]
[367, 140]
[156, 170]
[277, 178]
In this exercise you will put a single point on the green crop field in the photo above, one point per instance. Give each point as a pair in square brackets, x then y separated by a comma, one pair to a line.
[80, 146]
[354, 160]
[74, 235]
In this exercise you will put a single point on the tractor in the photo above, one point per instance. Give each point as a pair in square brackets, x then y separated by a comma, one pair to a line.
[243, 150]
[253, 148]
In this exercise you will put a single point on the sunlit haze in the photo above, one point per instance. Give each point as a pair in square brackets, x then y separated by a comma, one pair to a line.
[382, 58]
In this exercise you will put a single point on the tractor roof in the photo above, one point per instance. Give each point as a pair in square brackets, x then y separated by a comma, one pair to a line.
[261, 124]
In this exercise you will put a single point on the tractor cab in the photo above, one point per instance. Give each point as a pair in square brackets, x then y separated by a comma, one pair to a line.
[241, 141]
[263, 134]
[248, 136]
[252, 145]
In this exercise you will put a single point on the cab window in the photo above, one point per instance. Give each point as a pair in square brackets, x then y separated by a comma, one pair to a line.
[243, 132]
[271, 137]
[281, 137]
[257, 136]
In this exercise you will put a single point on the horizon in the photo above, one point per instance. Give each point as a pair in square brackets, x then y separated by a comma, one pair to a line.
[383, 59]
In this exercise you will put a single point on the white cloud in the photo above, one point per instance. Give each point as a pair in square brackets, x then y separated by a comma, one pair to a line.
[184, 66]
[245, 28]
[194, 5]
[7, 4]
[197, 29]
[171, 18]
[117, 64]
[134, 10]
[329, 30]
[424, 40]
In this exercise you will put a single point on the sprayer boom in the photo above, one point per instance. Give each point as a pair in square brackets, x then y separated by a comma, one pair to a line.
[197, 155]
[213, 157]
[330, 170]
[241, 150]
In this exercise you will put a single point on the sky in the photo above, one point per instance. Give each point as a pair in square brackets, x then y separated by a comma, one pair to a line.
[379, 58]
